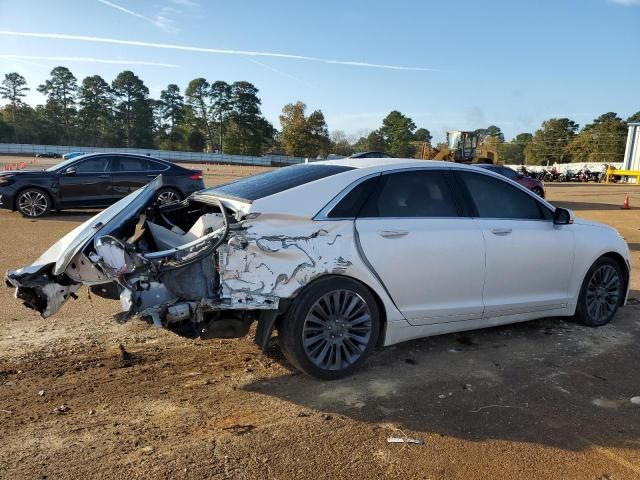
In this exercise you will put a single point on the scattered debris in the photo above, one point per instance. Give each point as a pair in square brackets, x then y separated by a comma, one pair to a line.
[302, 413]
[415, 441]
[126, 360]
[41, 393]
[326, 416]
[239, 429]
[441, 396]
[497, 406]
[9, 412]
[61, 410]
[468, 387]
[92, 412]
[147, 450]
[410, 361]
[635, 401]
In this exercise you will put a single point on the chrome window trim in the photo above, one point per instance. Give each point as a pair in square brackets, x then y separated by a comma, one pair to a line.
[322, 214]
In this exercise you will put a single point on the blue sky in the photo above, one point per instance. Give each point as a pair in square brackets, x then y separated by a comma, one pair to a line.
[472, 64]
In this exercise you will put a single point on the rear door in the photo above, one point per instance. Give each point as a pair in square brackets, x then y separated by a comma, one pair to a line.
[133, 173]
[529, 259]
[87, 183]
[428, 256]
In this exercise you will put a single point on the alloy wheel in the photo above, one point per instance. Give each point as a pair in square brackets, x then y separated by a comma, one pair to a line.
[167, 197]
[603, 293]
[32, 203]
[337, 330]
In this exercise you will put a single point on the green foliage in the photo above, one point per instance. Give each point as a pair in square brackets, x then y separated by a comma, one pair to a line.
[422, 135]
[635, 118]
[397, 133]
[134, 112]
[340, 144]
[603, 140]
[549, 143]
[304, 136]
[60, 113]
[95, 115]
[13, 89]
[374, 142]
[513, 152]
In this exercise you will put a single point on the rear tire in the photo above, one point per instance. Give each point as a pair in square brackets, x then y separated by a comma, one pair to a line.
[33, 203]
[167, 196]
[601, 293]
[331, 328]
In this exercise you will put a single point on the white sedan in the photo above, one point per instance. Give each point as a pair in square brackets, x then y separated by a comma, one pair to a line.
[340, 257]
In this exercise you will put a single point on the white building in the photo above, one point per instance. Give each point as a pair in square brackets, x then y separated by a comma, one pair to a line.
[632, 152]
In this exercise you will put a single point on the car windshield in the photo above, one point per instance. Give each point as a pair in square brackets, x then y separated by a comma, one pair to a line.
[276, 181]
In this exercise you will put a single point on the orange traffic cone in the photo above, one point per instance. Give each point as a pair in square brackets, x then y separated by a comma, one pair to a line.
[625, 204]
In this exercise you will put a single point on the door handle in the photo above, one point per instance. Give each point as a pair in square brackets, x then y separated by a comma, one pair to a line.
[501, 231]
[393, 233]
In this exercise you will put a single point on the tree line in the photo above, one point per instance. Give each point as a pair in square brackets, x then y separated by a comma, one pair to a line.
[226, 117]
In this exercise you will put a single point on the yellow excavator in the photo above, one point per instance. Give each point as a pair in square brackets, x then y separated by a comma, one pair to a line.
[462, 147]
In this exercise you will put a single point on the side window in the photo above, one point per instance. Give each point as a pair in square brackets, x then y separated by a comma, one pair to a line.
[133, 164]
[352, 202]
[495, 198]
[411, 194]
[93, 165]
[156, 166]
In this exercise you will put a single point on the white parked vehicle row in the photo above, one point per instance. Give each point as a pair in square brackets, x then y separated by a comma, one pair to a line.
[340, 257]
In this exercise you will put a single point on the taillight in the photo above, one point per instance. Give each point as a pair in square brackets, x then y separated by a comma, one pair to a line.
[196, 175]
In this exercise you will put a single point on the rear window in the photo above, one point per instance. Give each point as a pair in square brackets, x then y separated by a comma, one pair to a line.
[276, 181]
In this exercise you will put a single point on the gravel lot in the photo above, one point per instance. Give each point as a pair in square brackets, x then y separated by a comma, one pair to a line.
[544, 399]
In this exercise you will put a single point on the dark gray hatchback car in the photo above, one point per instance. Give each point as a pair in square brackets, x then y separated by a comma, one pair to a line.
[93, 181]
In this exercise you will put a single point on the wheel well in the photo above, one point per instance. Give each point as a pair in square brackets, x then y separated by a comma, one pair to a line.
[379, 303]
[47, 192]
[619, 259]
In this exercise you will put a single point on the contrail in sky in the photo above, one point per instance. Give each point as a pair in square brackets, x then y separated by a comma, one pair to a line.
[86, 60]
[248, 53]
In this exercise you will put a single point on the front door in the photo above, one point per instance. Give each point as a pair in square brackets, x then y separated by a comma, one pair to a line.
[529, 259]
[87, 183]
[430, 259]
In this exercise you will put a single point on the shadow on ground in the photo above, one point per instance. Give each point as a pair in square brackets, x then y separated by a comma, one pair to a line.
[549, 382]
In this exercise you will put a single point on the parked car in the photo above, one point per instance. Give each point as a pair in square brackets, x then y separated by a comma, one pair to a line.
[70, 155]
[340, 257]
[47, 155]
[370, 155]
[96, 180]
[533, 184]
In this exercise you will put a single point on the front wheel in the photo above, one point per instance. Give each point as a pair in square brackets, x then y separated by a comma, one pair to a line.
[601, 293]
[33, 203]
[331, 328]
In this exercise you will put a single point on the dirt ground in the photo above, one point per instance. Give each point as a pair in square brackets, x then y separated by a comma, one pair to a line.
[544, 399]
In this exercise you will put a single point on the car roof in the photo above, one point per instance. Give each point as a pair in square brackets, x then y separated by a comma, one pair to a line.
[384, 163]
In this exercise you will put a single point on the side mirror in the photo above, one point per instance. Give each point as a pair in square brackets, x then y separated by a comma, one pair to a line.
[69, 171]
[562, 216]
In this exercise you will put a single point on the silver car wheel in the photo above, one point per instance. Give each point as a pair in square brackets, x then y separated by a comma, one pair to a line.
[32, 203]
[167, 197]
[337, 330]
[603, 293]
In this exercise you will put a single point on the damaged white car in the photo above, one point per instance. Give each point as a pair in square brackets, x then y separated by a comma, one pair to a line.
[339, 257]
